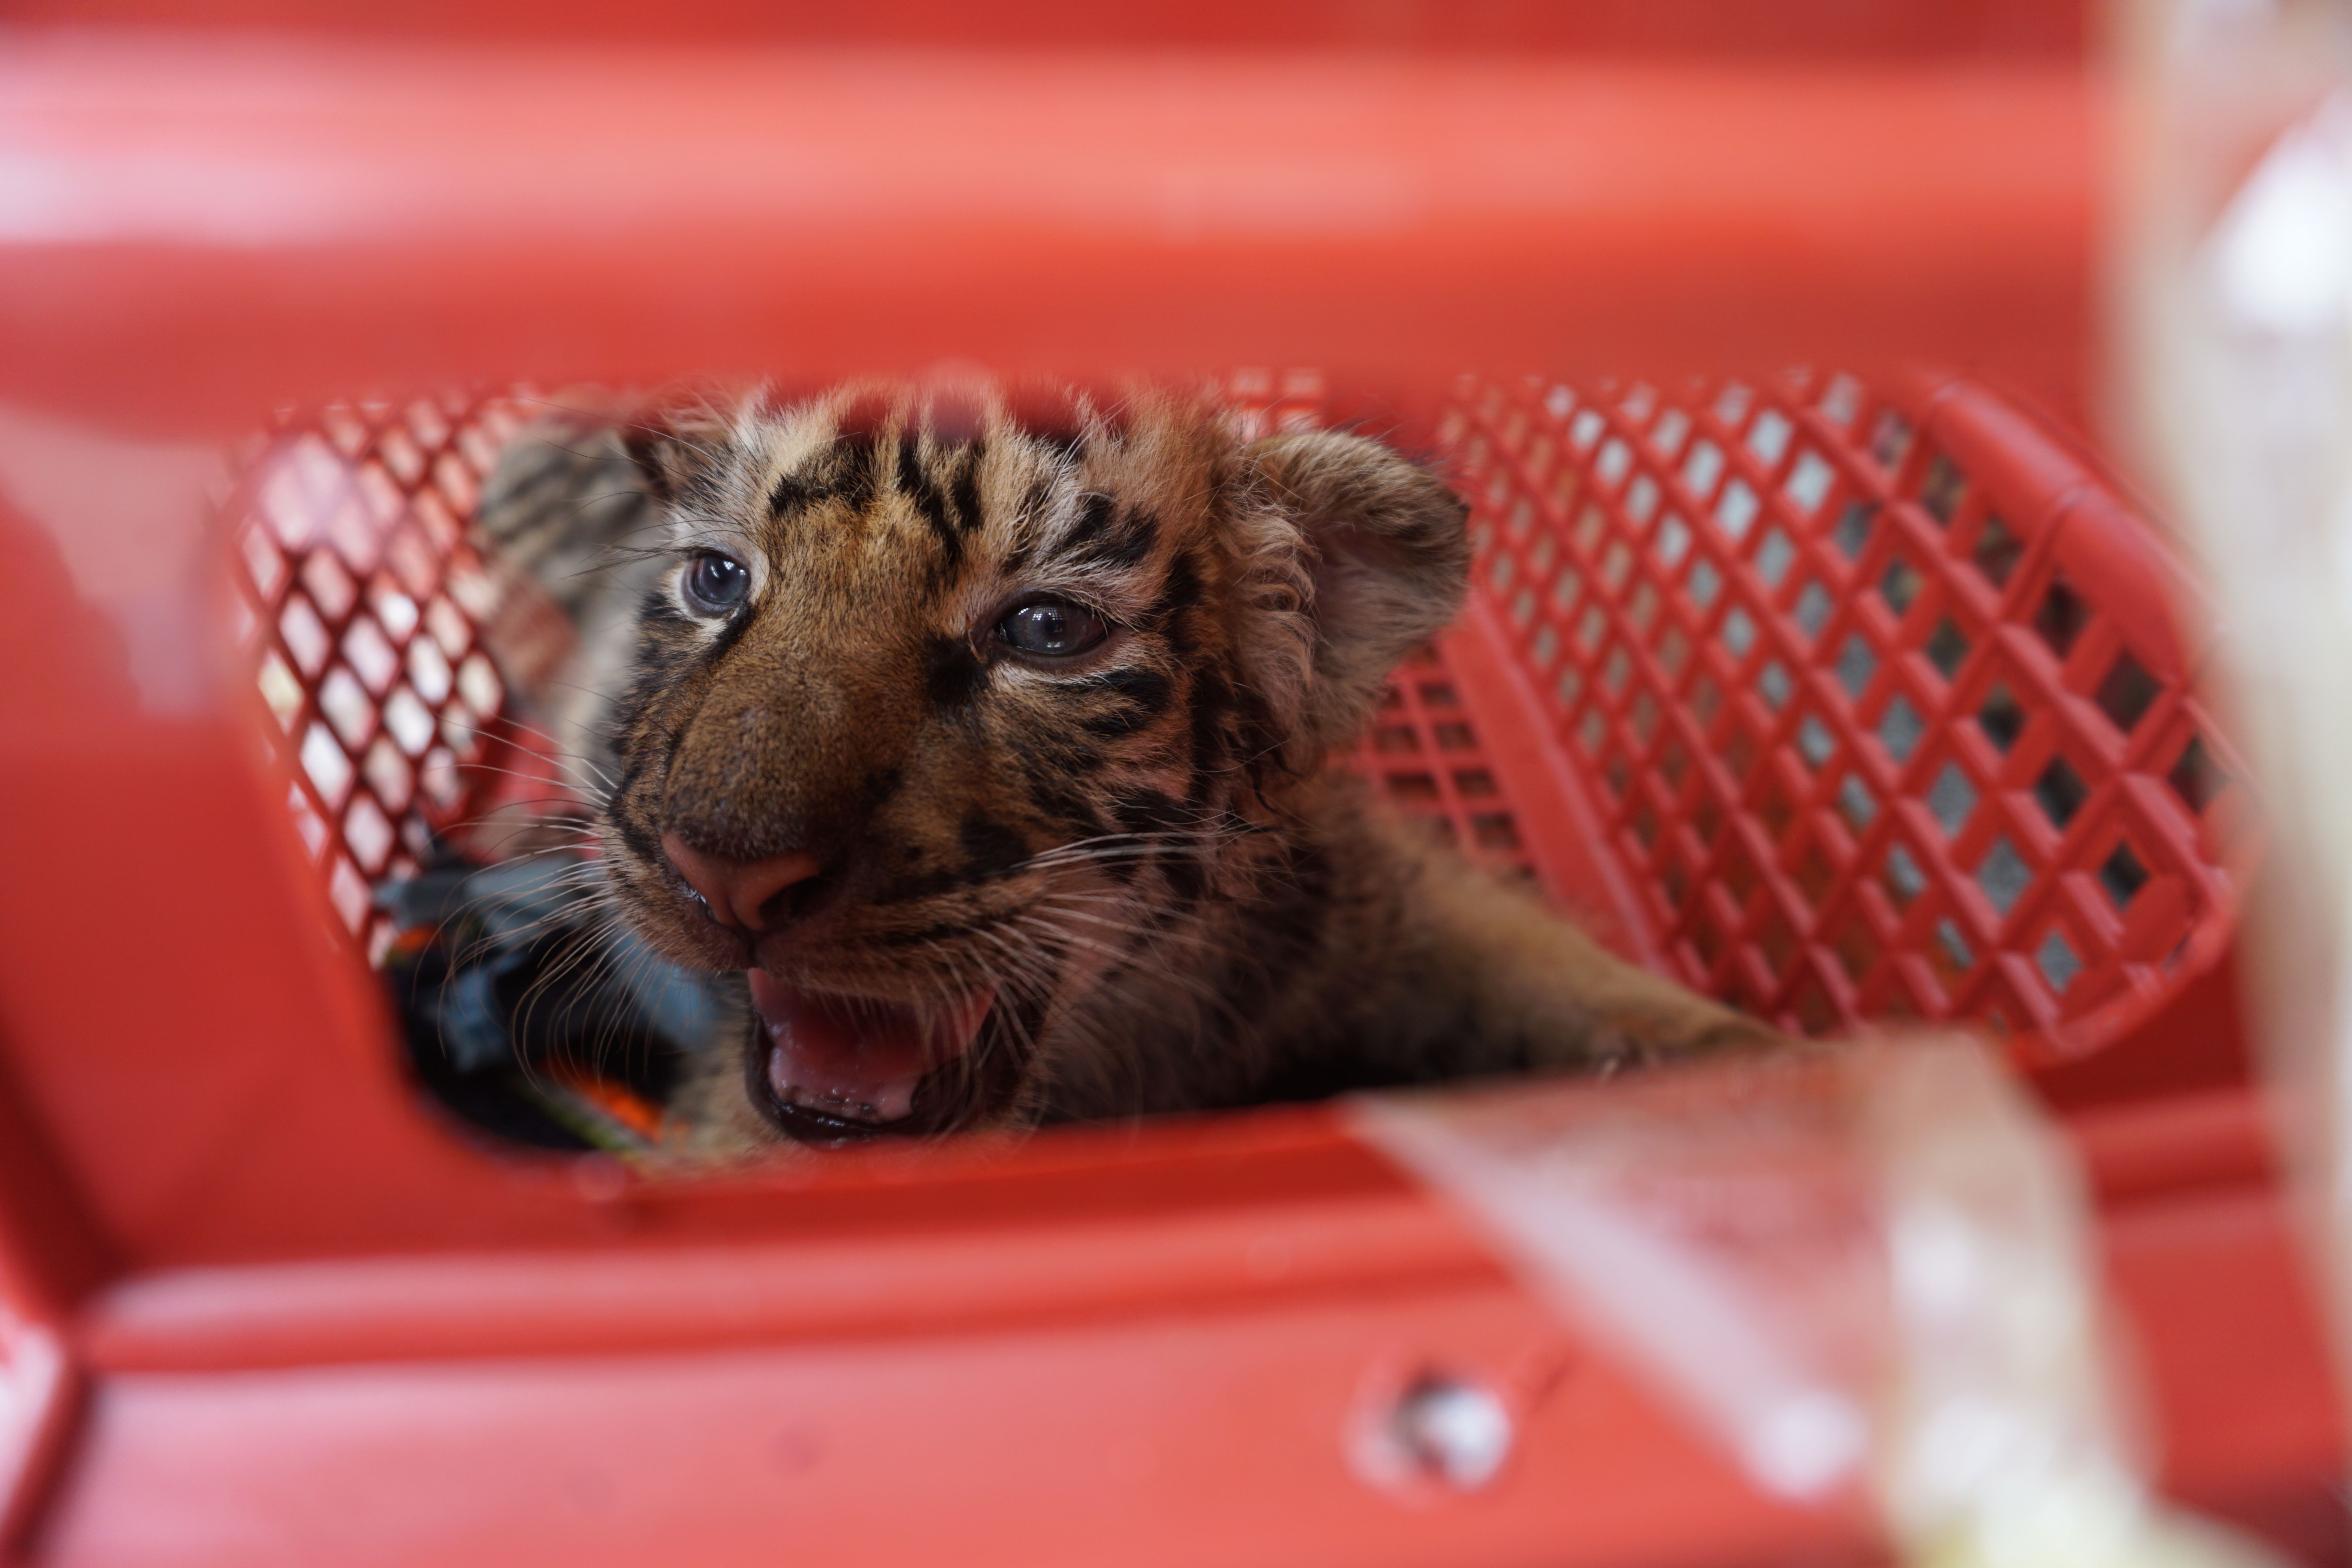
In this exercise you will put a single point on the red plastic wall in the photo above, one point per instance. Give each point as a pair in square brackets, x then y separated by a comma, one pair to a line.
[305, 1324]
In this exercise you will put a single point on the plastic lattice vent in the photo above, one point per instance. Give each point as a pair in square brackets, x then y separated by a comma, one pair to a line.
[383, 640]
[1841, 703]
[1880, 700]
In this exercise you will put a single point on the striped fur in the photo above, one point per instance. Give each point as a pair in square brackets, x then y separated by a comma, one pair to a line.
[1179, 907]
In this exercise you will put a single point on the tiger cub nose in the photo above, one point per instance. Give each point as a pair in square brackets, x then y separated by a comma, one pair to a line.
[738, 891]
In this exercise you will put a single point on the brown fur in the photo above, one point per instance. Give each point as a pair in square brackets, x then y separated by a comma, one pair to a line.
[1180, 909]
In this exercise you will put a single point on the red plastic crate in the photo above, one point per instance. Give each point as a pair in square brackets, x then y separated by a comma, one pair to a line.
[288, 1310]
[1874, 703]
[1840, 704]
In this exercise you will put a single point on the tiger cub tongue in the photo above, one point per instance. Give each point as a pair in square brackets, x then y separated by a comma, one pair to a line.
[853, 1058]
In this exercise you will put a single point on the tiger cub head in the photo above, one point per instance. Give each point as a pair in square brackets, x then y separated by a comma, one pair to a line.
[946, 714]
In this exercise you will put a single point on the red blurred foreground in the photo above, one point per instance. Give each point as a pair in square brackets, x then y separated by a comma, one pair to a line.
[294, 1320]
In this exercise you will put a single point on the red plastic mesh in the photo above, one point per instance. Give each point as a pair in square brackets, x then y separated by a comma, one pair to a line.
[1877, 698]
[372, 616]
[1853, 704]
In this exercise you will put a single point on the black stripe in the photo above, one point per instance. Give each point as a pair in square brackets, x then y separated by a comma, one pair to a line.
[1094, 517]
[1150, 811]
[1180, 590]
[852, 481]
[951, 675]
[967, 488]
[989, 847]
[1123, 544]
[1213, 701]
[1143, 697]
[918, 488]
[1054, 801]
[793, 493]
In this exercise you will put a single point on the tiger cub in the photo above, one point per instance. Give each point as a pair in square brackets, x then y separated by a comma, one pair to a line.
[987, 744]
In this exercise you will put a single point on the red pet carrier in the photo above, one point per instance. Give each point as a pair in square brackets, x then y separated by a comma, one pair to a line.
[1845, 697]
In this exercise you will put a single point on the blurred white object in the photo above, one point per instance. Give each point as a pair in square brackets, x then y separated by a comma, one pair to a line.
[2236, 266]
[1866, 1271]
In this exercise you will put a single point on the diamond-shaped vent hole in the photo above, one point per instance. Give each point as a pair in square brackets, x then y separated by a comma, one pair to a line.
[1642, 499]
[2123, 876]
[2059, 791]
[1941, 491]
[1951, 798]
[1852, 531]
[2001, 718]
[1855, 802]
[1704, 583]
[1809, 482]
[1773, 556]
[1673, 538]
[1813, 606]
[2195, 778]
[1736, 510]
[1904, 878]
[2004, 876]
[1856, 663]
[1890, 439]
[1900, 728]
[1739, 632]
[2061, 617]
[1900, 585]
[1673, 426]
[1702, 468]
[1842, 399]
[2127, 692]
[1814, 740]
[1947, 649]
[2057, 962]
[1997, 551]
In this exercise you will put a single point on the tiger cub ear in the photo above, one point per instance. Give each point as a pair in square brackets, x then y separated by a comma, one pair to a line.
[674, 446]
[1381, 560]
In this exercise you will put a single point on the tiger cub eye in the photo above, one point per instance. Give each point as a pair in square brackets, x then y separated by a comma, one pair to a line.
[715, 584]
[1052, 629]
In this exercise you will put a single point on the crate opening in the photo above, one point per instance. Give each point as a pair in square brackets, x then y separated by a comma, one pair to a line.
[1793, 691]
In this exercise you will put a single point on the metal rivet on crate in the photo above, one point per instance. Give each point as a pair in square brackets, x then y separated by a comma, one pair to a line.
[1439, 1431]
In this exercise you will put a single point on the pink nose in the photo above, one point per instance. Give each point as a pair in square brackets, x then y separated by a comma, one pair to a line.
[737, 891]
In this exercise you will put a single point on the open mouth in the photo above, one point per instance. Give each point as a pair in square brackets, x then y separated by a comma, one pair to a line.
[828, 1069]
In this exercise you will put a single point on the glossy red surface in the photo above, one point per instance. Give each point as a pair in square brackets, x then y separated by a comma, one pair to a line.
[304, 1321]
